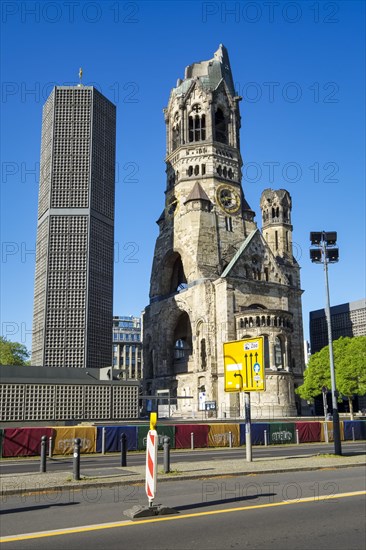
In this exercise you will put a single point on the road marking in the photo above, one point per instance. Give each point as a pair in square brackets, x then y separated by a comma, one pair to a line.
[126, 523]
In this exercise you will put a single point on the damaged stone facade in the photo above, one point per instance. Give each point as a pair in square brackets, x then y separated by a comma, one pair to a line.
[215, 276]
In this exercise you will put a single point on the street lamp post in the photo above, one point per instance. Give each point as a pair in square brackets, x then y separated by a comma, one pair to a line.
[326, 253]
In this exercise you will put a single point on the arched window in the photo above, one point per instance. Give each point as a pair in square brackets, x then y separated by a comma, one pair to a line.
[175, 136]
[220, 127]
[179, 349]
[203, 354]
[266, 352]
[196, 170]
[278, 355]
[172, 277]
[182, 343]
[178, 280]
[190, 170]
[196, 125]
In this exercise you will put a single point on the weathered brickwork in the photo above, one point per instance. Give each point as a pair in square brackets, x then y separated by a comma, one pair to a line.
[215, 276]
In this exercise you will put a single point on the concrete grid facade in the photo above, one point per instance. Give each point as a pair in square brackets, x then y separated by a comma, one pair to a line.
[34, 394]
[73, 295]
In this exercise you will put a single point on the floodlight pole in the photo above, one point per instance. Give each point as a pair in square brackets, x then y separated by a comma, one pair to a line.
[336, 427]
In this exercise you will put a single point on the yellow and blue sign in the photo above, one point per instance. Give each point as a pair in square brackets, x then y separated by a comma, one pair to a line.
[244, 365]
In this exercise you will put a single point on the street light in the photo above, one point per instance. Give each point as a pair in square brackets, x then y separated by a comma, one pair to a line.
[326, 253]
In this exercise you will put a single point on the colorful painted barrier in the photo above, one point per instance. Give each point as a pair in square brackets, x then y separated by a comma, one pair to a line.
[113, 438]
[183, 435]
[308, 431]
[63, 442]
[282, 432]
[329, 426]
[218, 435]
[24, 441]
[162, 431]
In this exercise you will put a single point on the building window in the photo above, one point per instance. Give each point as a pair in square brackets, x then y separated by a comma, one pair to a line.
[179, 349]
[203, 354]
[228, 223]
[276, 239]
[220, 127]
[176, 132]
[278, 353]
[197, 125]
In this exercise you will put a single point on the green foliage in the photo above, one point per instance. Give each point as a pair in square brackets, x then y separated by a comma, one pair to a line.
[349, 365]
[12, 353]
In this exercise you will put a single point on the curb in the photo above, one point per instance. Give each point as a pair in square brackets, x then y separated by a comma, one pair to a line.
[188, 477]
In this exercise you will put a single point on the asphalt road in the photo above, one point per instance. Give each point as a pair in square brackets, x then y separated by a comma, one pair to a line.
[321, 510]
[60, 463]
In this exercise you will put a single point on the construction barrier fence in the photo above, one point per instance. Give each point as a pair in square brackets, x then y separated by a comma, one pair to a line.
[162, 432]
[24, 441]
[219, 435]
[184, 437]
[308, 431]
[113, 434]
[63, 442]
[27, 441]
[256, 432]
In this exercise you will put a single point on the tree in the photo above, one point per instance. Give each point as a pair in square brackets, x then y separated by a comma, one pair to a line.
[12, 353]
[349, 365]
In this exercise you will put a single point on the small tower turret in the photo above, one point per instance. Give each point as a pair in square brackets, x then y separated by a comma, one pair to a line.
[276, 222]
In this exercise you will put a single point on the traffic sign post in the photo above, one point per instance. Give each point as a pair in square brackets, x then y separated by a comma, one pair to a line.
[244, 365]
[245, 371]
[248, 428]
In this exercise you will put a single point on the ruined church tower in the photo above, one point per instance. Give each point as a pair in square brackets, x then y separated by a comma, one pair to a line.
[215, 276]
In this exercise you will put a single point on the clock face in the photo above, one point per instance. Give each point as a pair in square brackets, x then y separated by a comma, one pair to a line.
[228, 199]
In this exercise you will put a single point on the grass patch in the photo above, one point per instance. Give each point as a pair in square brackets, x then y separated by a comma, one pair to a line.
[329, 455]
[171, 473]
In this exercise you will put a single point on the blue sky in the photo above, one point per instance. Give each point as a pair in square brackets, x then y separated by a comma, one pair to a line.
[299, 67]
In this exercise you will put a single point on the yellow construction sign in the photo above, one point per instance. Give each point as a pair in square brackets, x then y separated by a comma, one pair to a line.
[244, 365]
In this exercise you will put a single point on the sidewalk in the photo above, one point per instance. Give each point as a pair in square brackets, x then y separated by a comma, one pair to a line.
[12, 484]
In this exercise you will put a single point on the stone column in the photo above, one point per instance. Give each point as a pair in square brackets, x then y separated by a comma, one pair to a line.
[287, 364]
[183, 137]
[272, 363]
